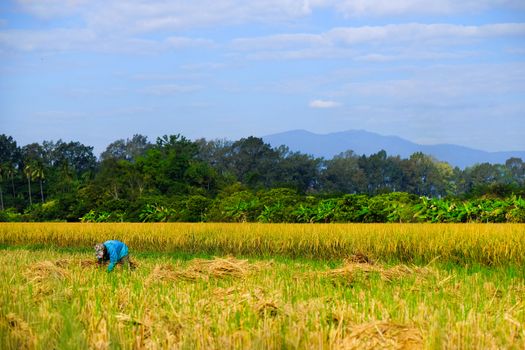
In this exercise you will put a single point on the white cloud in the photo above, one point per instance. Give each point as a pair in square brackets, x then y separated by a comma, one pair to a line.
[379, 43]
[151, 15]
[381, 8]
[50, 40]
[323, 104]
[52, 8]
[388, 34]
[157, 15]
[64, 39]
[117, 25]
[440, 87]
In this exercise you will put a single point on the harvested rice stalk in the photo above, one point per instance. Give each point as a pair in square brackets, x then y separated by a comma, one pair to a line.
[204, 269]
[123, 318]
[387, 274]
[359, 258]
[44, 270]
[76, 262]
[381, 335]
[20, 331]
[99, 335]
[267, 308]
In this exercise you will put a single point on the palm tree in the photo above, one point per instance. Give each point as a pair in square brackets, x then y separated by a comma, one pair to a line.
[67, 175]
[10, 171]
[38, 173]
[28, 170]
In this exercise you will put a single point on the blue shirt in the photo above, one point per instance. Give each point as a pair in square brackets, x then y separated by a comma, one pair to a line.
[116, 251]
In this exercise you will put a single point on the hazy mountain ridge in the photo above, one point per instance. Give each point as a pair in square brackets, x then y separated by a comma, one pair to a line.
[364, 142]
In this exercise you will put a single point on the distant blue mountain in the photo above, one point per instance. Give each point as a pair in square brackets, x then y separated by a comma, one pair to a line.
[364, 142]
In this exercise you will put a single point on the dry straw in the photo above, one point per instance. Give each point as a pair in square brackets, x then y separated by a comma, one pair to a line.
[204, 269]
[351, 269]
[20, 331]
[381, 335]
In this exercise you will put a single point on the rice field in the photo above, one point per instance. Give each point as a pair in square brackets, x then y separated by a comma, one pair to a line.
[485, 244]
[254, 286]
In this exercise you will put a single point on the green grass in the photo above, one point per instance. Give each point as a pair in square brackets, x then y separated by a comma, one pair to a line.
[282, 303]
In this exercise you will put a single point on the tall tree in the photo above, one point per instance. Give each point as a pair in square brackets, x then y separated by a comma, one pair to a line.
[425, 176]
[10, 171]
[32, 156]
[295, 170]
[374, 168]
[166, 163]
[78, 157]
[129, 149]
[28, 171]
[516, 167]
[38, 173]
[253, 162]
[10, 158]
[342, 174]
[9, 151]
[2, 176]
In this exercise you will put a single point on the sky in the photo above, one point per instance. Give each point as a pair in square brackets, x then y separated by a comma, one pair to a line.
[430, 71]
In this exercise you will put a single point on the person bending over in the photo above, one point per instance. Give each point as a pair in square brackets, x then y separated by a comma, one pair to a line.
[116, 252]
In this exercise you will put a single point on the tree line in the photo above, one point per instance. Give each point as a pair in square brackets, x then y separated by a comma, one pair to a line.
[177, 179]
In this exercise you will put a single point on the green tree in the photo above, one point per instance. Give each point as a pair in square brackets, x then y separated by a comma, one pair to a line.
[516, 168]
[129, 149]
[425, 176]
[374, 168]
[28, 171]
[2, 176]
[10, 171]
[342, 174]
[166, 163]
[38, 173]
[295, 170]
[253, 162]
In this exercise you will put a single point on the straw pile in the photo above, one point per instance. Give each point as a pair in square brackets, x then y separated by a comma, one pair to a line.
[76, 262]
[381, 335]
[20, 331]
[45, 270]
[351, 269]
[360, 258]
[205, 269]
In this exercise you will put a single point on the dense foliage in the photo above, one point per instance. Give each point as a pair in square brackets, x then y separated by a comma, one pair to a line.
[176, 179]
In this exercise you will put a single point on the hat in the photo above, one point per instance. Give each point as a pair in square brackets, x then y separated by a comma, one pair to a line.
[99, 250]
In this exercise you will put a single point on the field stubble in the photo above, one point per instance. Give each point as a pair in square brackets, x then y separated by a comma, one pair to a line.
[60, 300]
[352, 287]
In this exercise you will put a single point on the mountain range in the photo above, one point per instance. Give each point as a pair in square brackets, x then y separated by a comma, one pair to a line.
[364, 142]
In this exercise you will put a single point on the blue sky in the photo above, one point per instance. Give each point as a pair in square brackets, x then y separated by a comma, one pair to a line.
[430, 71]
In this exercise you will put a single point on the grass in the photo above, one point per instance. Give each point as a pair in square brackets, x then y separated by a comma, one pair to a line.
[337, 286]
[54, 298]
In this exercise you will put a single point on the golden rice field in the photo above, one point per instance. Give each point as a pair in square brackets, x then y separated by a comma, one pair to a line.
[486, 244]
[257, 286]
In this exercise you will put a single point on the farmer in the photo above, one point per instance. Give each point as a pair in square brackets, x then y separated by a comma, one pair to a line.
[114, 251]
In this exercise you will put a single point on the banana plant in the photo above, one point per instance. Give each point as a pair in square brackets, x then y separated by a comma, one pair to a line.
[304, 214]
[156, 213]
[325, 211]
